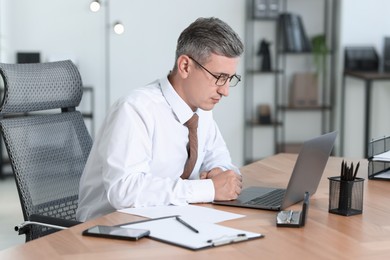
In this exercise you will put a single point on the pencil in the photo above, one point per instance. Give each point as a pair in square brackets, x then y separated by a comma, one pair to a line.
[356, 170]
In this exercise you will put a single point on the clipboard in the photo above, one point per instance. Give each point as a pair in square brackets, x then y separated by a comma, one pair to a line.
[170, 230]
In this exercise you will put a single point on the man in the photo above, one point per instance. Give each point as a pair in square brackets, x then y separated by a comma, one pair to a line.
[141, 153]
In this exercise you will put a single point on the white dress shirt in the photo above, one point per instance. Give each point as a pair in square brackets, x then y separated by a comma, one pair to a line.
[139, 154]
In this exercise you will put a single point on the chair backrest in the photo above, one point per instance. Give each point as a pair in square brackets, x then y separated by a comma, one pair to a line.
[48, 149]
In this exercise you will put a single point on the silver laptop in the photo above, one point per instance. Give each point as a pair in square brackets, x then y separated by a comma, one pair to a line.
[306, 176]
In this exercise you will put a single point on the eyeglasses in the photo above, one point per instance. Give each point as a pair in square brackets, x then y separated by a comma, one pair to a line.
[222, 78]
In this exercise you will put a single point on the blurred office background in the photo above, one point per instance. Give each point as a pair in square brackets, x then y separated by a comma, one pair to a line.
[112, 64]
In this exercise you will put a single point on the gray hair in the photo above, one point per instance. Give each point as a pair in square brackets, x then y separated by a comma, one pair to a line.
[208, 36]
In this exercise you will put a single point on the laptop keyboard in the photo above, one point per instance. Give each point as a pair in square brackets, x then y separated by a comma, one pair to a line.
[273, 198]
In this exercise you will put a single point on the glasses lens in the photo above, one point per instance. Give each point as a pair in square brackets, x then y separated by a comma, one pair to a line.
[221, 80]
[234, 81]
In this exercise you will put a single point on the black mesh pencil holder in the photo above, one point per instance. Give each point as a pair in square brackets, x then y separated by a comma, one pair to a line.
[346, 197]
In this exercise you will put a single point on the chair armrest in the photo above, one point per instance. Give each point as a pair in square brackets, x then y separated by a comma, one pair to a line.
[54, 221]
[46, 221]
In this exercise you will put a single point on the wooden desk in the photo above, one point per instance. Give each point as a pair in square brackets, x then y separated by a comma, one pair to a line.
[368, 78]
[325, 236]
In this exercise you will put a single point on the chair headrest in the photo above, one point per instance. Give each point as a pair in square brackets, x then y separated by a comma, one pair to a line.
[40, 86]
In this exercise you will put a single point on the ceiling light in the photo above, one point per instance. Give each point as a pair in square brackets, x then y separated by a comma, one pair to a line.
[95, 6]
[119, 28]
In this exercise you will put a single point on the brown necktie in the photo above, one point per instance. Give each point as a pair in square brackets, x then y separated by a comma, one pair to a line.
[192, 125]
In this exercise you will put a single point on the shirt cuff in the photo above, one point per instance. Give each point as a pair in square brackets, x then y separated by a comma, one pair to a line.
[199, 190]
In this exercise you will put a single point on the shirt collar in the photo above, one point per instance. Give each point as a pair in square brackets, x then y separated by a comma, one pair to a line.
[179, 107]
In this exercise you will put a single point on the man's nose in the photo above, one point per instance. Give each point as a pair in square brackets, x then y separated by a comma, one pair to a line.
[224, 90]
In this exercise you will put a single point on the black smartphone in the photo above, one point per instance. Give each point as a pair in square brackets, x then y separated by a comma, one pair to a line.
[116, 232]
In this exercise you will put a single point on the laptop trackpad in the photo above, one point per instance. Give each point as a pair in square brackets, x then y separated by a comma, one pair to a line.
[252, 193]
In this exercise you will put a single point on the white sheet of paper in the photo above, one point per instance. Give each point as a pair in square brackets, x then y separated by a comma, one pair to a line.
[382, 157]
[383, 175]
[191, 212]
[172, 231]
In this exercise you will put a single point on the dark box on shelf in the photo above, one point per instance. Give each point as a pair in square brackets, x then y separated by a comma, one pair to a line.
[28, 57]
[264, 114]
[361, 59]
[265, 9]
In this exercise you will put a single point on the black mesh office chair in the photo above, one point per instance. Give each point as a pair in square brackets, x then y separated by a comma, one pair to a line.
[48, 149]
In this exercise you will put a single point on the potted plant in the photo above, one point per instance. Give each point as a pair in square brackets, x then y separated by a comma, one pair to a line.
[319, 50]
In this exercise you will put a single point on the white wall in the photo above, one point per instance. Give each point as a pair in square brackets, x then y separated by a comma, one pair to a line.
[364, 23]
[146, 51]
[58, 29]
[67, 29]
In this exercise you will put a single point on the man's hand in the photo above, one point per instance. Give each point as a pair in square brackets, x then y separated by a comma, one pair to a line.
[227, 184]
[210, 174]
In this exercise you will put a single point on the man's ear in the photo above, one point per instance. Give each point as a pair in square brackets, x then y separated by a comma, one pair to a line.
[183, 66]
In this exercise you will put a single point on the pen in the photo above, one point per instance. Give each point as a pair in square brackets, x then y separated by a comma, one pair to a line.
[227, 239]
[187, 225]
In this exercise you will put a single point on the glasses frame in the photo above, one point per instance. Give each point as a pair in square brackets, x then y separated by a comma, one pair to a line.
[219, 77]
